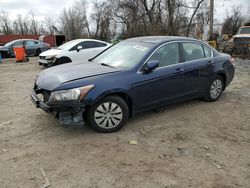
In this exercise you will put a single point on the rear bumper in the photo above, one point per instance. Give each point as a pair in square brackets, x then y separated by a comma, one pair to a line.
[70, 114]
[230, 74]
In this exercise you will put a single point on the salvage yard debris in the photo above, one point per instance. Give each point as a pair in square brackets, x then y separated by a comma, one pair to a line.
[6, 123]
[46, 179]
[133, 142]
[143, 133]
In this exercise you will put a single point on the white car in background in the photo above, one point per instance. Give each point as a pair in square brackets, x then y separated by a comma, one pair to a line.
[73, 51]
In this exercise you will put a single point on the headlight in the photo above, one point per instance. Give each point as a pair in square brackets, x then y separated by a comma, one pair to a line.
[51, 57]
[71, 95]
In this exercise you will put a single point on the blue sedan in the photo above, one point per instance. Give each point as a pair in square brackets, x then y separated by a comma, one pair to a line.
[135, 75]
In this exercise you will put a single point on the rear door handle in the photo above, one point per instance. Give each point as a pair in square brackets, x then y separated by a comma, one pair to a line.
[210, 62]
[179, 69]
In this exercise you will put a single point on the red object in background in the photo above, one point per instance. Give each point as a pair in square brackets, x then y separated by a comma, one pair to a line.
[52, 40]
[20, 54]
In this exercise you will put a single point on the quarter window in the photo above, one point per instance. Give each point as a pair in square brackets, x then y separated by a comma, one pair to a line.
[167, 55]
[192, 51]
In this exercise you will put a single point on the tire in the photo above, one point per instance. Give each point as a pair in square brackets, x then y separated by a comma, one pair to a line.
[62, 60]
[38, 51]
[108, 115]
[215, 89]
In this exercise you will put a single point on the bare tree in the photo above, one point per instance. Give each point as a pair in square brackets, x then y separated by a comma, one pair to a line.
[5, 22]
[73, 20]
[101, 18]
[49, 25]
[233, 22]
[34, 27]
[197, 5]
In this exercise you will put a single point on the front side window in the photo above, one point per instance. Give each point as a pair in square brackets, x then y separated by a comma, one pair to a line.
[75, 47]
[167, 55]
[18, 43]
[192, 51]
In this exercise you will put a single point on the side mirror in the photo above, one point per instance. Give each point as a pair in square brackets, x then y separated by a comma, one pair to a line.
[79, 48]
[150, 66]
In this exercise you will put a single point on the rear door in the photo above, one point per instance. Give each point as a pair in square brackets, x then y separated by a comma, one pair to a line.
[198, 66]
[30, 47]
[163, 84]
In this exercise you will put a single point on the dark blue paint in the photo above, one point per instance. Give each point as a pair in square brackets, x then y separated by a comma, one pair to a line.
[150, 90]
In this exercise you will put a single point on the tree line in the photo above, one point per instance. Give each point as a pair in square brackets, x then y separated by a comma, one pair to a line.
[121, 18]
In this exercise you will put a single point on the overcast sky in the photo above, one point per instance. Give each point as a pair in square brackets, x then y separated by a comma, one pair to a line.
[53, 8]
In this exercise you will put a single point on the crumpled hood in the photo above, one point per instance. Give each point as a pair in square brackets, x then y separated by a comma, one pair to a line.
[51, 52]
[51, 78]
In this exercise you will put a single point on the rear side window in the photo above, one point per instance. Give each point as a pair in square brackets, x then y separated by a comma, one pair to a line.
[93, 44]
[207, 51]
[192, 51]
[30, 43]
[167, 55]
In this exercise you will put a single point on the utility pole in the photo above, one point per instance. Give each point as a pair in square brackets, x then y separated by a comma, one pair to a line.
[211, 18]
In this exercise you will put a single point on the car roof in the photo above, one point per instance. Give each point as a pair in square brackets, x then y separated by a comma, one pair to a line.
[82, 40]
[160, 39]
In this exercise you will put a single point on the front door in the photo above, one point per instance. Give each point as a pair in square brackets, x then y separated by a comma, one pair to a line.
[164, 83]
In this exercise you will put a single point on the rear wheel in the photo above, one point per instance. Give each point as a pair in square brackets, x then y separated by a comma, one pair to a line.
[215, 89]
[108, 115]
[38, 51]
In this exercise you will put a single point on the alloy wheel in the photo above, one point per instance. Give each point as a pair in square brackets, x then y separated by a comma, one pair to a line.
[216, 89]
[108, 115]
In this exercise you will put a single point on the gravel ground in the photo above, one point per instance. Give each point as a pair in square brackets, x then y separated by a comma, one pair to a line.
[193, 144]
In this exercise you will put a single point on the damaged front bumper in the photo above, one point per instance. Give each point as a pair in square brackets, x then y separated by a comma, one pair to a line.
[70, 112]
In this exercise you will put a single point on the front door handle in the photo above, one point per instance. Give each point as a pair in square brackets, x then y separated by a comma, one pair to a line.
[179, 69]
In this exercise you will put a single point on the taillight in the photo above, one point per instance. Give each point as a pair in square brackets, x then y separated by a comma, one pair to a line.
[232, 60]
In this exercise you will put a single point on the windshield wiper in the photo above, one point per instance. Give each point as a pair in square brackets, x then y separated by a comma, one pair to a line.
[104, 64]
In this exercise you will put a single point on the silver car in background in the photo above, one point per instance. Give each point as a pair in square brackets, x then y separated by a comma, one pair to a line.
[33, 47]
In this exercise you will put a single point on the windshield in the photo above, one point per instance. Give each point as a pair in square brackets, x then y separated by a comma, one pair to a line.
[67, 45]
[244, 30]
[124, 55]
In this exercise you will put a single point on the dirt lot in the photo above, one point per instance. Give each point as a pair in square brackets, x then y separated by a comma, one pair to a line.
[194, 144]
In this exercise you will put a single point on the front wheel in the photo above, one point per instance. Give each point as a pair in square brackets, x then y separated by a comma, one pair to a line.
[108, 115]
[62, 60]
[215, 89]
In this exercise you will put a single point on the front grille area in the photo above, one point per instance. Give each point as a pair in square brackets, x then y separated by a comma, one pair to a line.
[42, 94]
[42, 57]
[46, 96]
[241, 40]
